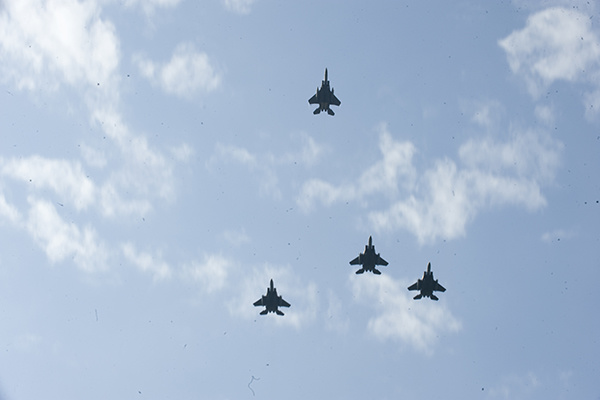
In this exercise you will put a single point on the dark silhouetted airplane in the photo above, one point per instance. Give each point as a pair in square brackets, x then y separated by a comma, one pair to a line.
[427, 285]
[324, 98]
[369, 259]
[271, 301]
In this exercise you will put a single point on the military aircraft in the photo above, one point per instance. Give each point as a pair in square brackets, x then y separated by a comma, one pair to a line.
[427, 285]
[324, 98]
[369, 259]
[271, 301]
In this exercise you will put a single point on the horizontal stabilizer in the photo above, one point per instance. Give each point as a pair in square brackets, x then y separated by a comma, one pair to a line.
[263, 312]
[360, 271]
[317, 111]
[376, 271]
[330, 111]
[279, 312]
[417, 297]
[434, 297]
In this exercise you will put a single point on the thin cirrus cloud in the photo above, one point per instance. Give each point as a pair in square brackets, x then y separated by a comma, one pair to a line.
[185, 74]
[556, 44]
[441, 200]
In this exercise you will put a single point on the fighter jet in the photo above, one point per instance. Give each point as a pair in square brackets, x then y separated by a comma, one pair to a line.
[271, 301]
[324, 98]
[369, 259]
[427, 285]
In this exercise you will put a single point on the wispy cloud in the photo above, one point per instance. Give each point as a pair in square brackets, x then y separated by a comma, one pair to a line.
[61, 240]
[441, 200]
[386, 177]
[557, 235]
[239, 6]
[185, 74]
[52, 45]
[265, 166]
[66, 179]
[53, 42]
[398, 317]
[211, 273]
[148, 263]
[556, 44]
[149, 6]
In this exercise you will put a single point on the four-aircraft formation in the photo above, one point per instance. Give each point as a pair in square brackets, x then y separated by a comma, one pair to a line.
[368, 260]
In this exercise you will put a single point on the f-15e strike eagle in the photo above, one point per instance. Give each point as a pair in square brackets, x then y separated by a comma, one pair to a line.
[271, 301]
[369, 259]
[427, 285]
[324, 98]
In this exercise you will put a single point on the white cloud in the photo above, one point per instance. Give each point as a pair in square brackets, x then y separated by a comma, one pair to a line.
[515, 386]
[8, 211]
[146, 171]
[239, 6]
[45, 42]
[186, 73]
[545, 114]
[147, 263]
[236, 237]
[445, 197]
[487, 113]
[149, 6]
[384, 177]
[66, 178]
[556, 44]
[398, 317]
[494, 174]
[112, 203]
[528, 154]
[557, 235]
[61, 240]
[211, 273]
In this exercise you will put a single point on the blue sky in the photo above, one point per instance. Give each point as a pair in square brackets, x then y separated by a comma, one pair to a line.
[161, 163]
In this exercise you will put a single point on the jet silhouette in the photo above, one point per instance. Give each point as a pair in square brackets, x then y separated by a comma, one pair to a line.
[369, 259]
[271, 301]
[427, 285]
[324, 98]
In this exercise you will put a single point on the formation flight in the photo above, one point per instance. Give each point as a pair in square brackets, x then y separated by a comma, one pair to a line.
[324, 98]
[427, 285]
[369, 259]
[271, 301]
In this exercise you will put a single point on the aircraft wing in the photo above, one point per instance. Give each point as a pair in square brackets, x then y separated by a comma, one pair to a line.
[414, 286]
[439, 287]
[334, 100]
[259, 302]
[356, 261]
[381, 261]
[283, 303]
[313, 100]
